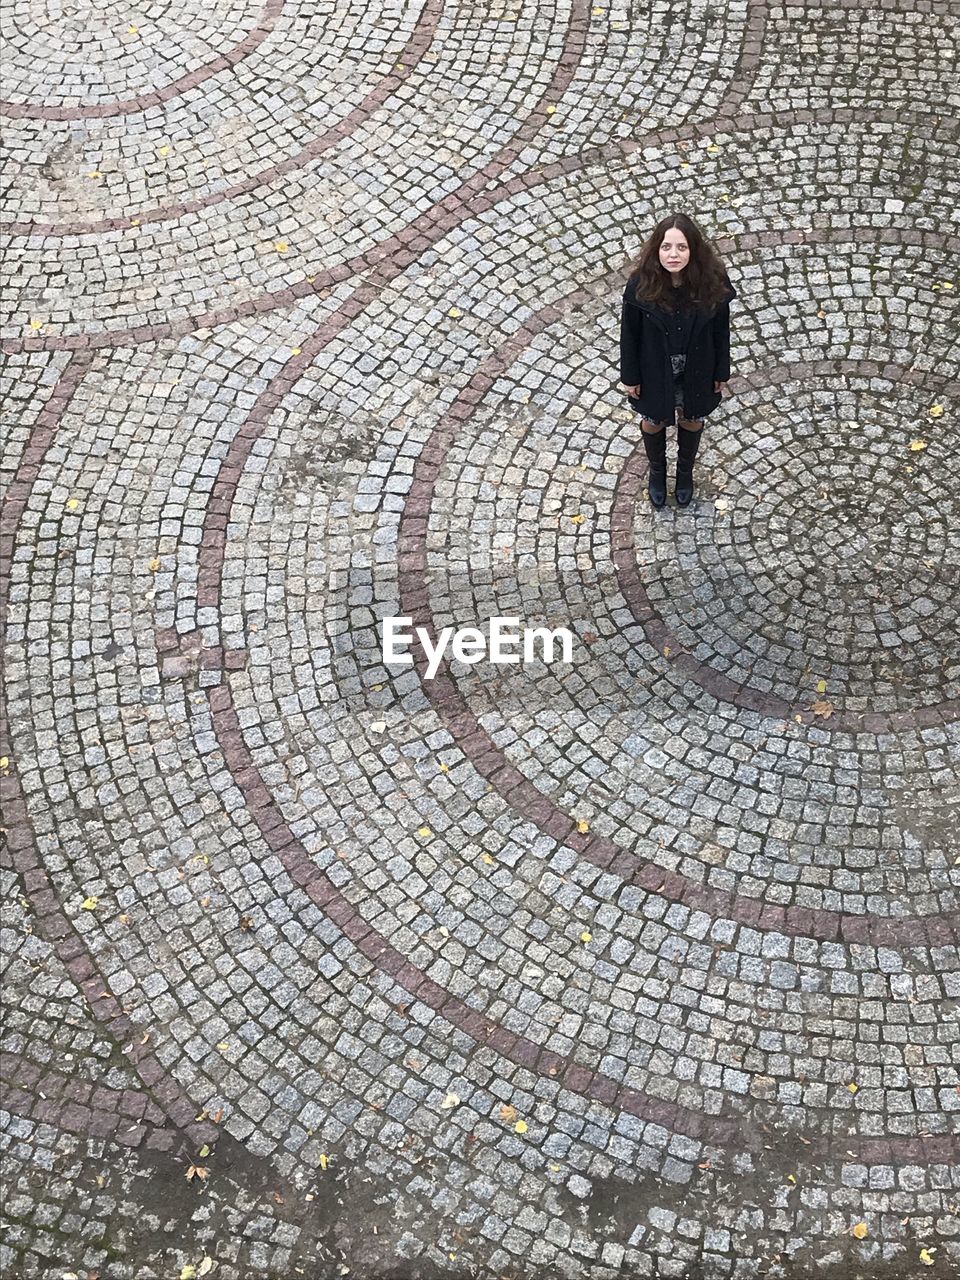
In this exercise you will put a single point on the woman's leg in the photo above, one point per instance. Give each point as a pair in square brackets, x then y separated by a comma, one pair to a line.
[689, 431]
[655, 443]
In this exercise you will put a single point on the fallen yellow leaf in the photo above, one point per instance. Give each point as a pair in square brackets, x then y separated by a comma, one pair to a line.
[577, 519]
[72, 504]
[163, 151]
[521, 1126]
[926, 1257]
[154, 564]
[281, 246]
[204, 1150]
[917, 445]
[133, 29]
[90, 904]
[853, 1087]
[455, 312]
[583, 827]
[444, 768]
[821, 686]
[205, 1267]
[488, 860]
[324, 1161]
[35, 325]
[4, 761]
[189, 1272]
[424, 831]
[861, 1230]
[935, 411]
[586, 936]
[295, 351]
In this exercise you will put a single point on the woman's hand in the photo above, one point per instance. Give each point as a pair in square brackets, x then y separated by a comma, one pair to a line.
[722, 387]
[631, 391]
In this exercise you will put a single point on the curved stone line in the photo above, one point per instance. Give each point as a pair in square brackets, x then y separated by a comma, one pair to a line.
[71, 950]
[736, 92]
[474, 741]
[670, 647]
[409, 56]
[516, 790]
[143, 102]
[469, 201]
[532, 803]
[725, 117]
[918, 1148]
[725, 1132]
[53, 923]
[80, 1106]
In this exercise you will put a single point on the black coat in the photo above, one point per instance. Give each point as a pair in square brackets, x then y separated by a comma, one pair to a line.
[644, 358]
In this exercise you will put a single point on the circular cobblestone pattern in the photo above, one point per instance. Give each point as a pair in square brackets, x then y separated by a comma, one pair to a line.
[638, 965]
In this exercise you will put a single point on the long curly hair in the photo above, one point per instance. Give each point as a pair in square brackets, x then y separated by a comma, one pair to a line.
[704, 275]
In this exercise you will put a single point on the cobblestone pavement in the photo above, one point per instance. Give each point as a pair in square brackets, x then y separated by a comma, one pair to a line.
[642, 965]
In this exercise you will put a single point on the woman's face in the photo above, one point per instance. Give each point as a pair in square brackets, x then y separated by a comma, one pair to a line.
[674, 251]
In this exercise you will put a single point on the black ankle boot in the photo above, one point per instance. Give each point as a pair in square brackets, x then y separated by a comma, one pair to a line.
[655, 443]
[688, 442]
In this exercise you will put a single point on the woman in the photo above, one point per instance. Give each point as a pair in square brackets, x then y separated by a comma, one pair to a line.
[675, 345]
